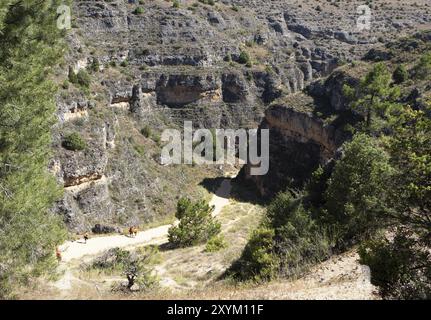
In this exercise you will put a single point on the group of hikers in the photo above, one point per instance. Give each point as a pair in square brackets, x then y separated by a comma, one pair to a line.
[133, 231]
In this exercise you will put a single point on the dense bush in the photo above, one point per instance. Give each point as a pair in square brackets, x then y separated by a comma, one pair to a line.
[95, 65]
[139, 10]
[140, 149]
[422, 70]
[400, 74]
[156, 138]
[65, 85]
[83, 78]
[146, 131]
[73, 141]
[400, 267]
[258, 262]
[410, 149]
[357, 193]
[72, 76]
[215, 244]
[298, 240]
[317, 185]
[196, 224]
[401, 264]
[288, 242]
[244, 58]
[374, 190]
[113, 259]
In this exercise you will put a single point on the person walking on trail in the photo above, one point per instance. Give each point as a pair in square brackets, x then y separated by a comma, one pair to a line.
[85, 237]
[58, 254]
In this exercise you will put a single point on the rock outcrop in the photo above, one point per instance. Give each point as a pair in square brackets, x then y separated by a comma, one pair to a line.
[299, 143]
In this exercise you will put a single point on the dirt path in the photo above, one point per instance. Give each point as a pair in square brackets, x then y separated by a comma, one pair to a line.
[221, 198]
[78, 249]
[73, 250]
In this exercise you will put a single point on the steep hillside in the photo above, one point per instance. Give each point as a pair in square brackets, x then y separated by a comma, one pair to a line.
[133, 65]
[307, 129]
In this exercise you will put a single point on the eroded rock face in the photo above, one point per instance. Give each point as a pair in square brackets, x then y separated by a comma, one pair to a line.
[180, 90]
[302, 127]
[83, 166]
[332, 89]
[86, 204]
[234, 88]
[299, 143]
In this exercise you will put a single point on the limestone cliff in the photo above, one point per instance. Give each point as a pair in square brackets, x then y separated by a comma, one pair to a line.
[299, 142]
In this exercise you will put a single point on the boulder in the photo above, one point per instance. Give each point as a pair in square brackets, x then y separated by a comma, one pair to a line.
[100, 229]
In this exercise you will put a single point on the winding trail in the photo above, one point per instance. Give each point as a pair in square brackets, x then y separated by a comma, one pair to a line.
[78, 249]
[73, 250]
